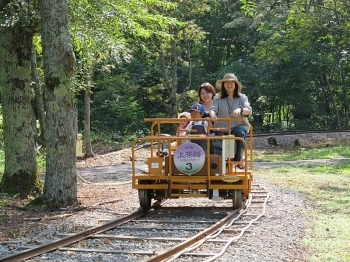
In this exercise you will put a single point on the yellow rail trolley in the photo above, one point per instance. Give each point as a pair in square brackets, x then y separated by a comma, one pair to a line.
[188, 170]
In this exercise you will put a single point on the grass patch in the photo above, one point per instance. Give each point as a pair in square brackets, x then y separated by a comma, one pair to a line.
[302, 154]
[328, 187]
[332, 234]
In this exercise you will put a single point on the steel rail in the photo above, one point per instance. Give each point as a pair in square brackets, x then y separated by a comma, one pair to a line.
[191, 241]
[218, 233]
[299, 132]
[72, 239]
[212, 237]
[236, 238]
[275, 133]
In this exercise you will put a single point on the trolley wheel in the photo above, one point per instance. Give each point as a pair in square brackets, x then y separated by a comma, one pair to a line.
[237, 199]
[144, 196]
[145, 199]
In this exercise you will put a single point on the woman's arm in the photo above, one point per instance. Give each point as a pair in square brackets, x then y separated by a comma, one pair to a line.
[213, 110]
[246, 108]
[210, 123]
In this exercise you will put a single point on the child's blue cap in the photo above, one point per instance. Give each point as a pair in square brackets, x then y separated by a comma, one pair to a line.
[197, 107]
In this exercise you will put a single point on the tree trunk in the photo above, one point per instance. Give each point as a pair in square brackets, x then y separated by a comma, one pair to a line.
[345, 96]
[60, 188]
[87, 136]
[189, 59]
[39, 100]
[169, 73]
[19, 132]
[173, 87]
[331, 99]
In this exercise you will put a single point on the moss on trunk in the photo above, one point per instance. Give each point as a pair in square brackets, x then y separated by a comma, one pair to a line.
[19, 131]
[22, 184]
[60, 188]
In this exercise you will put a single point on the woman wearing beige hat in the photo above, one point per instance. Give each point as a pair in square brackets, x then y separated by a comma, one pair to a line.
[231, 103]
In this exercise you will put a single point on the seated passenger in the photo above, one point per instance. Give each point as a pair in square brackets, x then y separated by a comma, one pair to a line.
[181, 129]
[183, 124]
[201, 127]
[231, 103]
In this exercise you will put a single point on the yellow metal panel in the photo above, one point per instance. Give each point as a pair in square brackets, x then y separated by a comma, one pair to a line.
[155, 165]
[198, 186]
[188, 180]
[228, 187]
[151, 186]
[188, 195]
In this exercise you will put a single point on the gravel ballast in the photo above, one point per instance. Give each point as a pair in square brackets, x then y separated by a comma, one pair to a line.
[277, 236]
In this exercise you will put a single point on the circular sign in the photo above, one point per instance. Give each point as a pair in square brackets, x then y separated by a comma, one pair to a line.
[189, 158]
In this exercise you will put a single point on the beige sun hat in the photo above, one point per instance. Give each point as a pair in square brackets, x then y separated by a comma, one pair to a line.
[229, 77]
[185, 114]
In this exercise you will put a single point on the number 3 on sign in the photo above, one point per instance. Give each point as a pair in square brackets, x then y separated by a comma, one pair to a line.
[189, 166]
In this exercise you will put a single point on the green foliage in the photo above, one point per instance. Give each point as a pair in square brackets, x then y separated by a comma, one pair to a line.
[124, 96]
[102, 30]
[116, 108]
[190, 97]
[113, 39]
[41, 162]
[268, 46]
[20, 14]
[249, 8]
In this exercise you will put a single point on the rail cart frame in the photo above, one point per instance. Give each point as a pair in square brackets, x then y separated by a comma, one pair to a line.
[217, 179]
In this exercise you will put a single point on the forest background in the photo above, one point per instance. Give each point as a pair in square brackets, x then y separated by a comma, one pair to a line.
[118, 62]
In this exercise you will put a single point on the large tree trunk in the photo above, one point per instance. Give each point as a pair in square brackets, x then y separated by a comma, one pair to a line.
[20, 174]
[60, 188]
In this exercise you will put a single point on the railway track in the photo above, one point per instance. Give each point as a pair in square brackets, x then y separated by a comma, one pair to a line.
[290, 133]
[175, 234]
[296, 132]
